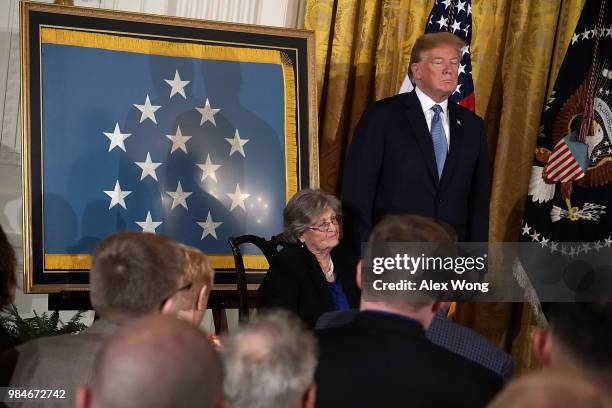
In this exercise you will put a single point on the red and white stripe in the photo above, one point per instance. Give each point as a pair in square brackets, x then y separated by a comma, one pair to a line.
[562, 165]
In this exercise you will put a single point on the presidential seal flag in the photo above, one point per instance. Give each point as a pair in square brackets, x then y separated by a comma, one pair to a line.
[453, 16]
[570, 190]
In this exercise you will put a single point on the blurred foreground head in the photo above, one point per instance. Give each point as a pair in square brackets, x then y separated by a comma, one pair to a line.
[550, 388]
[270, 363]
[190, 300]
[578, 340]
[133, 274]
[8, 280]
[156, 362]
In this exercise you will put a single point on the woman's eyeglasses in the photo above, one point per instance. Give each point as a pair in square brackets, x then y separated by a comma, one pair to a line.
[326, 226]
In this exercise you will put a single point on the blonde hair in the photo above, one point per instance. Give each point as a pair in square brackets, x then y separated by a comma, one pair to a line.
[198, 268]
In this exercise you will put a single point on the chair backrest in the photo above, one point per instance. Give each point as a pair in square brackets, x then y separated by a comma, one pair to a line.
[269, 248]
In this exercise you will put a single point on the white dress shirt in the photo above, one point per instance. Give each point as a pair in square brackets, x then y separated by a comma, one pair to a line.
[426, 104]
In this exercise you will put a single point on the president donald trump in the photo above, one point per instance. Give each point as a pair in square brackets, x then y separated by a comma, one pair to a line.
[419, 153]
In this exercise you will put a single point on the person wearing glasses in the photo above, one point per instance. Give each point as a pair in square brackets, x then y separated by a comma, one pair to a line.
[312, 274]
[190, 300]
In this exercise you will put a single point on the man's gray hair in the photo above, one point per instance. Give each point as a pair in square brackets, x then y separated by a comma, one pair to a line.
[269, 363]
[303, 210]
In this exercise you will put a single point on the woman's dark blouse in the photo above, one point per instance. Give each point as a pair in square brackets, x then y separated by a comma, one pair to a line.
[296, 282]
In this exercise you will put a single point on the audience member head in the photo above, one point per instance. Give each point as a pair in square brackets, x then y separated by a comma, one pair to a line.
[579, 338]
[8, 280]
[189, 302]
[312, 217]
[407, 228]
[158, 361]
[133, 274]
[550, 389]
[270, 363]
[434, 64]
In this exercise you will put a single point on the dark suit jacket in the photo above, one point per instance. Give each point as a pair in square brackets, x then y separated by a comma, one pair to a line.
[296, 282]
[385, 360]
[445, 333]
[391, 168]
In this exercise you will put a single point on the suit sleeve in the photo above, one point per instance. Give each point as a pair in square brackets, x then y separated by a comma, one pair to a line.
[279, 289]
[480, 192]
[360, 178]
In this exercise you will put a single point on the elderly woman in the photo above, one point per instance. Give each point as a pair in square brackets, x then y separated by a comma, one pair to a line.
[312, 274]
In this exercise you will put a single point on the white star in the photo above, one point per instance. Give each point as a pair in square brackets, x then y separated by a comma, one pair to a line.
[457, 89]
[544, 242]
[456, 26]
[209, 227]
[446, 3]
[585, 34]
[461, 69]
[526, 229]
[535, 236]
[598, 246]
[238, 198]
[469, 11]
[466, 30]
[563, 249]
[179, 197]
[608, 242]
[553, 246]
[148, 167]
[443, 22]
[208, 169]
[148, 110]
[237, 144]
[460, 6]
[117, 138]
[465, 50]
[609, 31]
[149, 225]
[178, 140]
[586, 247]
[430, 22]
[177, 85]
[117, 196]
[208, 113]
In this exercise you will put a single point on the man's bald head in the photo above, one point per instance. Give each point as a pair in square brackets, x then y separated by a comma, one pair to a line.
[158, 361]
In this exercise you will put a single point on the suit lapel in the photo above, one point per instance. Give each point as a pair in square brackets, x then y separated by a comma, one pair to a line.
[421, 133]
[456, 143]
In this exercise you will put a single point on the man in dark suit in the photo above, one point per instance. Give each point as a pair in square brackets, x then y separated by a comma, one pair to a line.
[419, 153]
[383, 357]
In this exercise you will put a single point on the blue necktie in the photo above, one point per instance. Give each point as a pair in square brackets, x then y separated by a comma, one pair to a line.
[440, 145]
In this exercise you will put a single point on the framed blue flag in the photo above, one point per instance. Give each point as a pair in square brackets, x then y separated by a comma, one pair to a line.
[195, 130]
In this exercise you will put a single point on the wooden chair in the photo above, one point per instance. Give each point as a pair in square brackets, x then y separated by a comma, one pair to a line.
[268, 248]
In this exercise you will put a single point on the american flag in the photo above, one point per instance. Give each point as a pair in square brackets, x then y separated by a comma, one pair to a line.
[192, 148]
[454, 16]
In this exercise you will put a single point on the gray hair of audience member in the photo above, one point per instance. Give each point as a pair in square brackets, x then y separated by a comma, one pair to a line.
[158, 361]
[550, 389]
[8, 280]
[133, 273]
[304, 208]
[269, 363]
